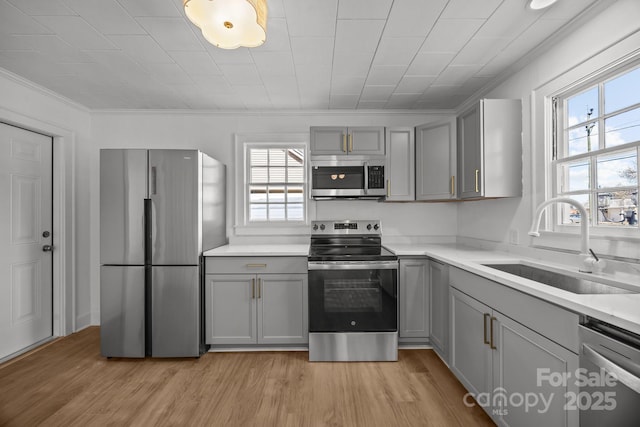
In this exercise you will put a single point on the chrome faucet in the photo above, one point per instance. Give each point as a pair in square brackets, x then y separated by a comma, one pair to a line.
[589, 261]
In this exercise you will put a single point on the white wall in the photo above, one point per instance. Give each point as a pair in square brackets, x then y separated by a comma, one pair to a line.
[31, 107]
[605, 34]
[214, 133]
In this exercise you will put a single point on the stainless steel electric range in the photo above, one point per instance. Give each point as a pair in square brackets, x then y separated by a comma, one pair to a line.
[353, 293]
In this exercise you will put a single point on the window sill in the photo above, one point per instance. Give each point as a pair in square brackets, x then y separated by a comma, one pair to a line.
[270, 229]
[623, 248]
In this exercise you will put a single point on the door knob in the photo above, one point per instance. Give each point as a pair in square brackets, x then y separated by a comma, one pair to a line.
[47, 248]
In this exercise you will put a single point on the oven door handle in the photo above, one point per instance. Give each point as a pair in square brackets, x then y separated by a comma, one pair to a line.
[625, 377]
[353, 265]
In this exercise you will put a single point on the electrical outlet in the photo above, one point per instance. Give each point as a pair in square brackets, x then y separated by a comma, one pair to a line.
[514, 237]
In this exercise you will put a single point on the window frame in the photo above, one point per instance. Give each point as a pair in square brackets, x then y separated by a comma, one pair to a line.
[557, 108]
[242, 170]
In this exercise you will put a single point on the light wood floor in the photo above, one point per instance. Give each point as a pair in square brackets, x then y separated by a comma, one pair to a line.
[69, 383]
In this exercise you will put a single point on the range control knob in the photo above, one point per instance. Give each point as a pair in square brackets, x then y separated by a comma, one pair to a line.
[375, 227]
[369, 227]
[322, 227]
[315, 227]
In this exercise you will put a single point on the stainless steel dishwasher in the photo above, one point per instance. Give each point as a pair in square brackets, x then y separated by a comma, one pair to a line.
[609, 376]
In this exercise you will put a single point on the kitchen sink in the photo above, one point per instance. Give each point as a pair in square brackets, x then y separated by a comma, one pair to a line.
[559, 280]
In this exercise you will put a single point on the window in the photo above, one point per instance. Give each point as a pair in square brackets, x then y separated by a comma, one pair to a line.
[596, 149]
[275, 184]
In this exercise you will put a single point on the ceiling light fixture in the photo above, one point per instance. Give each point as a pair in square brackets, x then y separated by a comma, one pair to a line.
[540, 4]
[229, 24]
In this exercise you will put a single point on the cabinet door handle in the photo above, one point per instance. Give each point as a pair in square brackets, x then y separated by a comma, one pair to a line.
[344, 142]
[253, 288]
[477, 188]
[351, 142]
[453, 185]
[492, 345]
[388, 188]
[259, 288]
[486, 315]
[256, 265]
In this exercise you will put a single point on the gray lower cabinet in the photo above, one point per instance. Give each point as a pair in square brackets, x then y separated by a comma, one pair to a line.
[507, 367]
[439, 308]
[414, 298]
[244, 307]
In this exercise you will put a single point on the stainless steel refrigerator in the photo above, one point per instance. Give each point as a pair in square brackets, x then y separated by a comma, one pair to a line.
[159, 209]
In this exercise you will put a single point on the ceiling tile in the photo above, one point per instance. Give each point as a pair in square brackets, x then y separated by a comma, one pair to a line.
[343, 101]
[451, 35]
[41, 7]
[382, 75]
[156, 8]
[377, 93]
[509, 20]
[171, 74]
[311, 17]
[312, 52]
[15, 21]
[171, 33]
[567, 9]
[356, 64]
[397, 50]
[196, 63]
[456, 75]
[277, 36]
[371, 105]
[240, 74]
[77, 32]
[364, 9]
[414, 84]
[402, 100]
[274, 63]
[430, 64]
[347, 85]
[465, 9]
[53, 48]
[229, 56]
[106, 16]
[358, 36]
[275, 9]
[479, 51]
[413, 18]
[142, 48]
[253, 96]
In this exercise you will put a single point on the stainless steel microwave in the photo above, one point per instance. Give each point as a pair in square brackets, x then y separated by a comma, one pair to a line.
[360, 179]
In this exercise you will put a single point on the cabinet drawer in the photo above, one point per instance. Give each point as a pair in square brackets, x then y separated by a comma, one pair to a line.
[549, 320]
[256, 265]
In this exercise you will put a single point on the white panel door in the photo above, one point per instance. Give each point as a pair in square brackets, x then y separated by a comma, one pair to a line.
[25, 229]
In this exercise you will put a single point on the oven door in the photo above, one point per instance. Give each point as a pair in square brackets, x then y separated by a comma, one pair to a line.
[353, 296]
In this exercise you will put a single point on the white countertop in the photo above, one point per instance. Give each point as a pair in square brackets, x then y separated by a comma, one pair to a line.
[622, 310]
[260, 250]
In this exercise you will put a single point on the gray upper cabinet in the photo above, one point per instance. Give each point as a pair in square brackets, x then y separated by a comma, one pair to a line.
[490, 149]
[342, 141]
[436, 161]
[400, 165]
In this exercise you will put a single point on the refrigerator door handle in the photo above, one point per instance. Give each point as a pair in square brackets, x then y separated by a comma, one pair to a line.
[153, 181]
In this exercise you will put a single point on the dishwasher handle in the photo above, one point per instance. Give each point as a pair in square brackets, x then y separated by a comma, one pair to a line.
[625, 377]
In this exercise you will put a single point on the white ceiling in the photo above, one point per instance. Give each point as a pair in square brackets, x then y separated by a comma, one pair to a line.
[319, 54]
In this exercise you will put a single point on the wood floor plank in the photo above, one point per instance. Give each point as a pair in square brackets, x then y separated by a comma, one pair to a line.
[69, 383]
